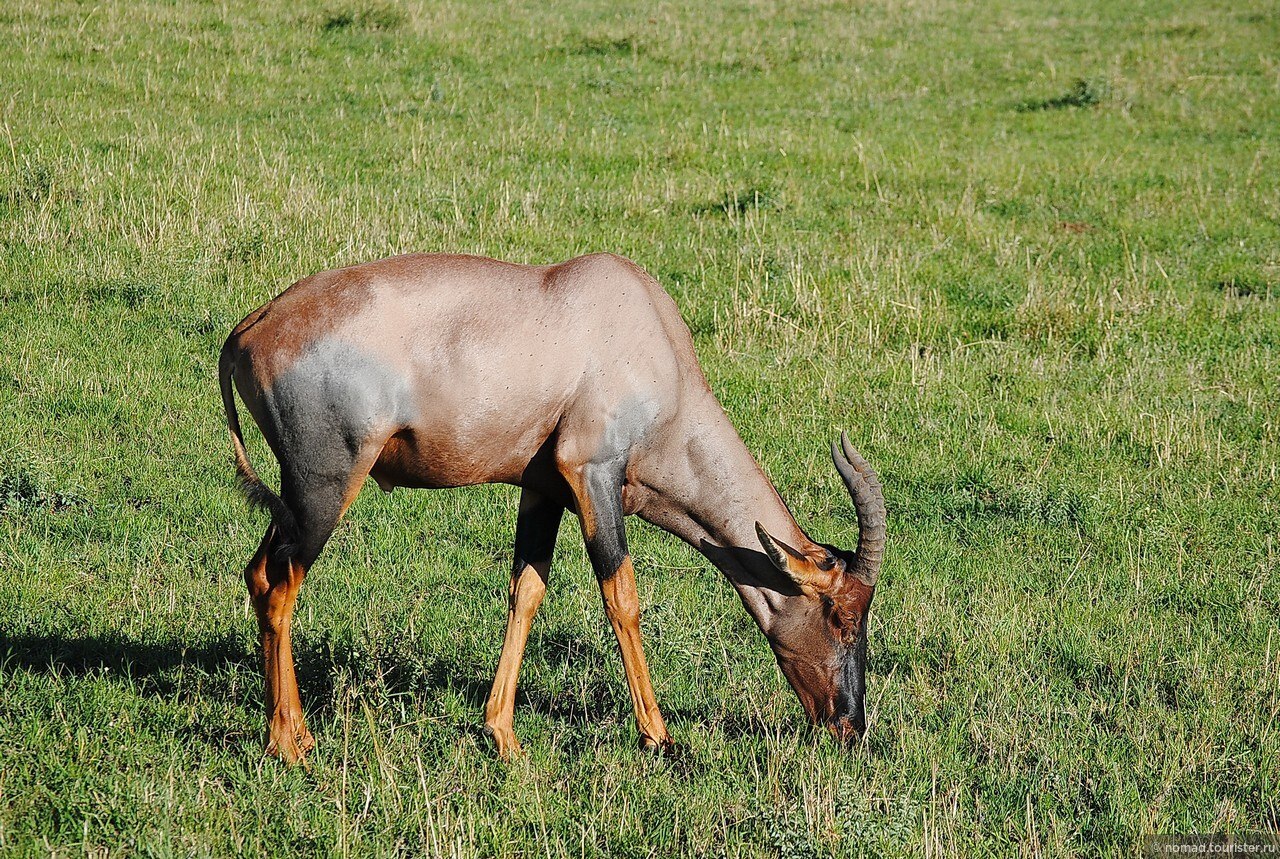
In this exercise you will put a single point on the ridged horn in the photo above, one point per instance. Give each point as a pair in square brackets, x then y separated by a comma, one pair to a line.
[864, 486]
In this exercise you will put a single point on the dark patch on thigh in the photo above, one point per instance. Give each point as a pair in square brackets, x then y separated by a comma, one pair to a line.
[334, 402]
[326, 417]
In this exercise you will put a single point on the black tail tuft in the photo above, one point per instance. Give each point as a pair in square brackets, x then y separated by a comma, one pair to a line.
[257, 492]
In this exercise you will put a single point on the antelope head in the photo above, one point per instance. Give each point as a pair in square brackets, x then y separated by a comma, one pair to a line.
[820, 637]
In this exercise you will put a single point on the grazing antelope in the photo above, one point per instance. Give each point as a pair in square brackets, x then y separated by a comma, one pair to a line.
[576, 382]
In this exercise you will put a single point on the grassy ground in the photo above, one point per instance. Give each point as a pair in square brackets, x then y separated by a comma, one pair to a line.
[1026, 253]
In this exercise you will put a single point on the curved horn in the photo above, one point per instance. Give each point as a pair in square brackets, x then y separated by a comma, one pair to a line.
[861, 481]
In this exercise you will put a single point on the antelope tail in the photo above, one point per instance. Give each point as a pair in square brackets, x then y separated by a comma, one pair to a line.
[257, 492]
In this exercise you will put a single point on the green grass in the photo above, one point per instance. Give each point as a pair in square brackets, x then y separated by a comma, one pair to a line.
[1028, 254]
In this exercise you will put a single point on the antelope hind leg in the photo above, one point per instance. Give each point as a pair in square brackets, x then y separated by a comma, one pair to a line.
[537, 524]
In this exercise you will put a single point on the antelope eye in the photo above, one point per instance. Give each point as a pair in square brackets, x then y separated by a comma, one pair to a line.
[845, 623]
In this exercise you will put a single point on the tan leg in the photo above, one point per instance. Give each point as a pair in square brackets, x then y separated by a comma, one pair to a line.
[622, 606]
[528, 585]
[597, 488]
[536, 528]
[273, 588]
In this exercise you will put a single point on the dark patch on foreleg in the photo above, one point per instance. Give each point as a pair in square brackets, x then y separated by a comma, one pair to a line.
[603, 521]
[600, 508]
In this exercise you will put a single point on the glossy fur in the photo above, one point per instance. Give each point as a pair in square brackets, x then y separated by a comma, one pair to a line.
[577, 382]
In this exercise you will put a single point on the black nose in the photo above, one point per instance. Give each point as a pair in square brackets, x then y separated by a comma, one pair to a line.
[848, 730]
[850, 725]
[859, 720]
[850, 721]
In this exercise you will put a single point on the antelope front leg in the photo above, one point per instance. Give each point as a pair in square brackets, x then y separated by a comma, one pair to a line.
[536, 527]
[598, 491]
[622, 606]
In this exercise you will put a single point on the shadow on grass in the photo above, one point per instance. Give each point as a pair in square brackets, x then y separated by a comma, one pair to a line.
[326, 668]
[117, 655]
[228, 669]
[169, 667]
[1083, 93]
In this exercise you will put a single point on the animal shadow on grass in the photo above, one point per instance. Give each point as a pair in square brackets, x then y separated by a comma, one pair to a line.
[165, 669]
[227, 670]
[154, 666]
[327, 668]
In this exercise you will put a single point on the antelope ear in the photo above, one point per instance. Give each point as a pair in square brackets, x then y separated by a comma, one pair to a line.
[810, 575]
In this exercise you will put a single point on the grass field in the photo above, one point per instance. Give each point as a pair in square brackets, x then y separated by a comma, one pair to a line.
[1027, 253]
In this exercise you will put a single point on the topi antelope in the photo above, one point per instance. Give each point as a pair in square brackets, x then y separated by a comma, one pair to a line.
[576, 382]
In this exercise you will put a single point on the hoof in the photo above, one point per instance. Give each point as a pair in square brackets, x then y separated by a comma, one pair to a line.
[290, 744]
[662, 748]
[289, 751]
[504, 742]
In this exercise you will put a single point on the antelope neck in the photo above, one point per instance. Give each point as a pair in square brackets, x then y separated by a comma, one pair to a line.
[710, 492]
